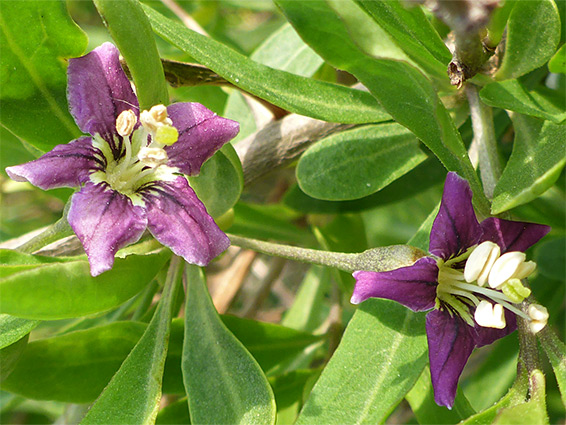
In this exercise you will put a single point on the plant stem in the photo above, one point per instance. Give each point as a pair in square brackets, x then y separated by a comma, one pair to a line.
[484, 135]
[56, 231]
[377, 259]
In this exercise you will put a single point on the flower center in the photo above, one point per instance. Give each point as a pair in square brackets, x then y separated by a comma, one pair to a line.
[137, 163]
[461, 282]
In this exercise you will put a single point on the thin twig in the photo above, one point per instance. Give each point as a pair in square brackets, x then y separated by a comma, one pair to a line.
[484, 136]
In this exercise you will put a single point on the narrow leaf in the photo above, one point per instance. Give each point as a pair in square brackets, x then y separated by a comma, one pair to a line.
[533, 33]
[317, 99]
[224, 384]
[558, 62]
[541, 102]
[58, 290]
[133, 394]
[13, 329]
[556, 352]
[380, 357]
[132, 33]
[535, 163]
[74, 367]
[357, 163]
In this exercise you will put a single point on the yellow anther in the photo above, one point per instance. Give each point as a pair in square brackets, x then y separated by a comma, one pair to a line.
[126, 122]
[166, 135]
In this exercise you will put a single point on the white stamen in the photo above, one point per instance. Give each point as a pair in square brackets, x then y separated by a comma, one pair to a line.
[126, 122]
[153, 157]
[505, 268]
[490, 316]
[480, 262]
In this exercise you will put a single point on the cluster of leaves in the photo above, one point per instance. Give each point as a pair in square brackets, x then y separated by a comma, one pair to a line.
[103, 345]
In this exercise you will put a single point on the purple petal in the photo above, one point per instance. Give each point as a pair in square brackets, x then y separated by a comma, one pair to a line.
[201, 134]
[178, 219]
[98, 91]
[65, 166]
[486, 336]
[456, 227]
[450, 343]
[104, 221]
[413, 286]
[512, 235]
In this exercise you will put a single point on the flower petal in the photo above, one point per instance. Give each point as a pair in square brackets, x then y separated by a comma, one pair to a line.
[98, 91]
[104, 221]
[450, 343]
[413, 286]
[178, 219]
[201, 134]
[486, 336]
[456, 227]
[512, 235]
[65, 166]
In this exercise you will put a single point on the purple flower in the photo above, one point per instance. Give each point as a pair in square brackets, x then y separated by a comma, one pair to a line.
[471, 282]
[130, 169]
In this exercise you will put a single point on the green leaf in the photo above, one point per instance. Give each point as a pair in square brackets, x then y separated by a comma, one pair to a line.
[530, 412]
[74, 367]
[555, 351]
[224, 383]
[36, 37]
[380, 357]
[428, 173]
[357, 163]
[283, 50]
[132, 32]
[317, 99]
[413, 33]
[535, 163]
[541, 102]
[13, 329]
[134, 393]
[268, 343]
[58, 290]
[10, 355]
[220, 181]
[288, 390]
[421, 400]
[401, 89]
[533, 33]
[558, 62]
